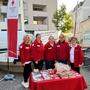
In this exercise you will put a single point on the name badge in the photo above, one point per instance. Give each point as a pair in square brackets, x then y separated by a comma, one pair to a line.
[38, 45]
[27, 47]
[32, 44]
[58, 45]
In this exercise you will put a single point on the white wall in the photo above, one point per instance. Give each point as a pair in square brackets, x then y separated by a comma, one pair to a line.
[82, 14]
[3, 38]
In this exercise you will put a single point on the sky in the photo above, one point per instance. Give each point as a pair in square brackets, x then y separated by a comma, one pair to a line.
[70, 4]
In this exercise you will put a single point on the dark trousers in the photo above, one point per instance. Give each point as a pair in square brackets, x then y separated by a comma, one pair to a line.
[27, 71]
[77, 69]
[62, 61]
[38, 65]
[49, 64]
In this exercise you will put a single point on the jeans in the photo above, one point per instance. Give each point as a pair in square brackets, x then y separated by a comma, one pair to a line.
[49, 64]
[77, 69]
[39, 65]
[27, 71]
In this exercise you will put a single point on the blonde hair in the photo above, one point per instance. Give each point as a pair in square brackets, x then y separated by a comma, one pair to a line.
[25, 38]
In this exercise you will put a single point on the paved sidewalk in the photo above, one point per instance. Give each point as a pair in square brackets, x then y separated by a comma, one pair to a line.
[16, 84]
[12, 85]
[86, 73]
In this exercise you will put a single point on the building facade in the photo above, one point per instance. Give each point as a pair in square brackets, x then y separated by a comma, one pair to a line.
[3, 23]
[3, 15]
[84, 33]
[81, 15]
[39, 14]
[35, 16]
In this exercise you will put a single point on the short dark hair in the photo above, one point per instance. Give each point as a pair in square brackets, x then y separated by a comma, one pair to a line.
[73, 38]
[37, 35]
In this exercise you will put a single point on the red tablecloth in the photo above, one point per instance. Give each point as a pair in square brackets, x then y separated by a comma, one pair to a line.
[77, 83]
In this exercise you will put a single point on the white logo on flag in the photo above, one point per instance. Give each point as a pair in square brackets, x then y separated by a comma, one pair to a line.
[13, 2]
[13, 6]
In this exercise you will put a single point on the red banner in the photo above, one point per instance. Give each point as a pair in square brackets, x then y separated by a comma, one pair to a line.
[12, 29]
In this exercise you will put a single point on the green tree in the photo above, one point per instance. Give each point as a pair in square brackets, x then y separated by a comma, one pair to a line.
[62, 20]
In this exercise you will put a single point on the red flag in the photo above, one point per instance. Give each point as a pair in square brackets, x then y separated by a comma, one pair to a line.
[12, 37]
[12, 27]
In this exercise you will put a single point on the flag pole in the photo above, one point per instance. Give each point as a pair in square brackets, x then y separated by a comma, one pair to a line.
[12, 29]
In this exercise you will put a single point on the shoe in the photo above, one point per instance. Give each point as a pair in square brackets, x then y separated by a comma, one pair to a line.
[25, 84]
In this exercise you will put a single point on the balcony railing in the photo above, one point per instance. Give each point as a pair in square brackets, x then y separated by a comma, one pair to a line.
[36, 27]
[3, 9]
[40, 13]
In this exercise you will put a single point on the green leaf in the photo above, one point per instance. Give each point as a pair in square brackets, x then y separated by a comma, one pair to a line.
[62, 20]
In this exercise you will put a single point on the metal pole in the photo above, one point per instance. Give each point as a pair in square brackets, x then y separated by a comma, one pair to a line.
[76, 20]
[48, 23]
[8, 64]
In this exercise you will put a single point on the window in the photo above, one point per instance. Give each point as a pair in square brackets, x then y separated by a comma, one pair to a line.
[37, 7]
[40, 20]
[30, 32]
[3, 29]
[3, 16]
[25, 21]
[5, 2]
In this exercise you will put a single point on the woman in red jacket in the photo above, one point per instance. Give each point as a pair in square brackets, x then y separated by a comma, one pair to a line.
[50, 53]
[37, 52]
[76, 55]
[62, 50]
[25, 57]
